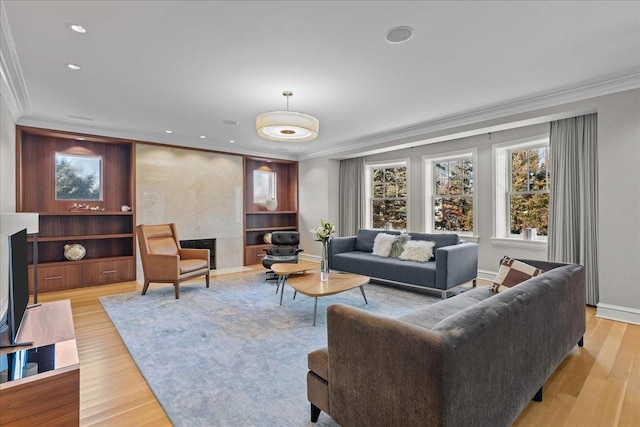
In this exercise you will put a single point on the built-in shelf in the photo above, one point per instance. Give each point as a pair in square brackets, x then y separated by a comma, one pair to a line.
[107, 233]
[258, 221]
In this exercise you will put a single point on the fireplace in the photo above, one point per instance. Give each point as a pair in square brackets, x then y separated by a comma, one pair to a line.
[202, 244]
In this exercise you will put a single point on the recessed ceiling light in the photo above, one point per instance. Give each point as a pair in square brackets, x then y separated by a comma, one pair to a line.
[232, 141]
[202, 137]
[78, 28]
[73, 66]
[168, 131]
[230, 122]
[400, 34]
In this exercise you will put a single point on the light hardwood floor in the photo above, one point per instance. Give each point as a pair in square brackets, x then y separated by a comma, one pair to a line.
[596, 385]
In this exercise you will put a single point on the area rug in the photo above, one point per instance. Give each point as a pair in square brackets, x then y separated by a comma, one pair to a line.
[230, 355]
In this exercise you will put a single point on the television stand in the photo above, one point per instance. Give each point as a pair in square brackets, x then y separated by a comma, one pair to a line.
[54, 395]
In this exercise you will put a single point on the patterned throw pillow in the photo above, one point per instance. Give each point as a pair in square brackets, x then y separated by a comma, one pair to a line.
[513, 272]
[398, 245]
[382, 244]
[417, 250]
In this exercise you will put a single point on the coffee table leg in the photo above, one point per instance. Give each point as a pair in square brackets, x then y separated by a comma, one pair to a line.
[284, 279]
[363, 295]
[315, 309]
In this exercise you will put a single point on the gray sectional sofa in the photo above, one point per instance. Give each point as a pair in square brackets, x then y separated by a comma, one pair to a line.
[455, 262]
[476, 359]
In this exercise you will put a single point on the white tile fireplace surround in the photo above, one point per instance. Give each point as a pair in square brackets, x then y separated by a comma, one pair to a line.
[200, 191]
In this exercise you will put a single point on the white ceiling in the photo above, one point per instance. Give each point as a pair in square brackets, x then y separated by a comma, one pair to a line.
[149, 66]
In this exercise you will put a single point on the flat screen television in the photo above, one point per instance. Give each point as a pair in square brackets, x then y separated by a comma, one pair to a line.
[18, 285]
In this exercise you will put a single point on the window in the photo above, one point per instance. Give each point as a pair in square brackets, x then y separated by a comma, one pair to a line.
[264, 186]
[387, 192]
[522, 181]
[529, 190]
[78, 177]
[449, 192]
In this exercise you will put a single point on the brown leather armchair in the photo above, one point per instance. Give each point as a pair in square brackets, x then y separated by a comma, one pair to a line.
[164, 261]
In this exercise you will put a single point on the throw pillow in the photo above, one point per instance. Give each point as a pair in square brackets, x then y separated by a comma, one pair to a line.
[398, 245]
[513, 272]
[417, 250]
[382, 244]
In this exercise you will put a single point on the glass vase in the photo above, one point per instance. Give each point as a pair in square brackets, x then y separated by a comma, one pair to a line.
[324, 263]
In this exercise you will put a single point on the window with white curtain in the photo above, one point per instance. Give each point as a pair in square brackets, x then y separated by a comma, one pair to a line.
[450, 192]
[387, 195]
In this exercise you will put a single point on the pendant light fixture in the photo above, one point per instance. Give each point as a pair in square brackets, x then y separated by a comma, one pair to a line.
[287, 126]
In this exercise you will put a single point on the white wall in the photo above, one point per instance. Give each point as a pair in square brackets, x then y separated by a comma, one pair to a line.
[619, 197]
[7, 192]
[201, 192]
[619, 206]
[318, 181]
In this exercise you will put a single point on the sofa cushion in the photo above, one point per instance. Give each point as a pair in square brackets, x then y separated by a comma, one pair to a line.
[513, 272]
[429, 316]
[421, 251]
[398, 245]
[382, 244]
[410, 272]
[365, 238]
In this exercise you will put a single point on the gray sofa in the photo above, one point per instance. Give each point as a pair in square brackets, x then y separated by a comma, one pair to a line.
[455, 262]
[475, 359]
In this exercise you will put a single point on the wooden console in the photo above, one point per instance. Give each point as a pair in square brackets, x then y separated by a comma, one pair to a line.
[49, 398]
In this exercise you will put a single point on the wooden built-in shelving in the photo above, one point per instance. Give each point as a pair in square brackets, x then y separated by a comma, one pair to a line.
[258, 221]
[107, 233]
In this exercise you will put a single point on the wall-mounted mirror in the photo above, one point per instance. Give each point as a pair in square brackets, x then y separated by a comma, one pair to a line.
[264, 186]
[78, 177]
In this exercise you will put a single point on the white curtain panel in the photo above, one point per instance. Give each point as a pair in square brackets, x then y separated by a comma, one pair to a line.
[351, 196]
[573, 207]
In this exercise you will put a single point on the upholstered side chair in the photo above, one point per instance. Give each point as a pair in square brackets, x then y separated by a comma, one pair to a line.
[164, 261]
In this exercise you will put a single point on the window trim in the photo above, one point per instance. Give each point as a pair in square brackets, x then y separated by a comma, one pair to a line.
[501, 177]
[429, 182]
[405, 162]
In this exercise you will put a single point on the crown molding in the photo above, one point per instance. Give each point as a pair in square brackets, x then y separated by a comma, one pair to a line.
[12, 84]
[606, 85]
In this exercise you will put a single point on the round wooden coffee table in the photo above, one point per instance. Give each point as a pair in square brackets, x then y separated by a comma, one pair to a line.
[310, 284]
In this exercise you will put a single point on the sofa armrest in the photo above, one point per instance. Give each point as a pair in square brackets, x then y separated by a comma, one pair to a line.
[456, 264]
[339, 245]
[377, 365]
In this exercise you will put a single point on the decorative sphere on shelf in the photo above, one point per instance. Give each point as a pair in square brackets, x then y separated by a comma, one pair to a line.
[74, 252]
[271, 204]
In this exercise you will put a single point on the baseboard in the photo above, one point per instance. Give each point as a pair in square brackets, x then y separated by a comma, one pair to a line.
[307, 257]
[487, 275]
[618, 313]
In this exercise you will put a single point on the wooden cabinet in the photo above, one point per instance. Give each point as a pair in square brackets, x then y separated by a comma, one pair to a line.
[52, 396]
[56, 277]
[105, 231]
[258, 221]
[104, 272]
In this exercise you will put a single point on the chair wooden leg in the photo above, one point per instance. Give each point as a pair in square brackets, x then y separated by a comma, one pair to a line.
[146, 286]
[207, 279]
[176, 285]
